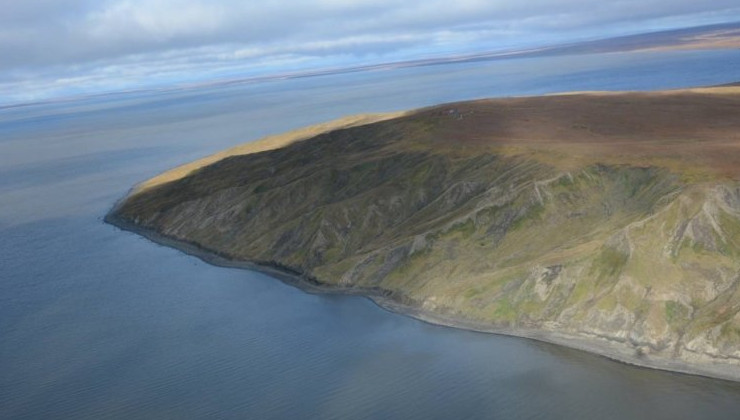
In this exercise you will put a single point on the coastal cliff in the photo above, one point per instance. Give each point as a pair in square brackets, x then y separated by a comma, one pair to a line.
[604, 221]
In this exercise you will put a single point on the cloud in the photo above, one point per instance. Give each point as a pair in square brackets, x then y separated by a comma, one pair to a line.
[60, 39]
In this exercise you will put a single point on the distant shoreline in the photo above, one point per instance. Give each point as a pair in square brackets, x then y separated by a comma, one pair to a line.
[385, 299]
[704, 37]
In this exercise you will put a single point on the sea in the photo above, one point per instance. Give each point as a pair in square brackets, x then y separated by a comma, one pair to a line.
[98, 323]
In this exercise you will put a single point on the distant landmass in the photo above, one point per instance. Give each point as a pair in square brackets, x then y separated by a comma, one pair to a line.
[720, 36]
[603, 221]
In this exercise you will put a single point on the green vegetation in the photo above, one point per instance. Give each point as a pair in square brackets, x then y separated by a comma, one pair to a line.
[465, 229]
[504, 311]
[675, 312]
[609, 262]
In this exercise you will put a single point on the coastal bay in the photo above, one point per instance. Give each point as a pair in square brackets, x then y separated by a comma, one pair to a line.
[102, 323]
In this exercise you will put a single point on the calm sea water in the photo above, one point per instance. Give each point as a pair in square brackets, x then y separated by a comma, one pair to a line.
[99, 323]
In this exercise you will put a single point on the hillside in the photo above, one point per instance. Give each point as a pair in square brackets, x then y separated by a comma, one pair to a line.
[603, 221]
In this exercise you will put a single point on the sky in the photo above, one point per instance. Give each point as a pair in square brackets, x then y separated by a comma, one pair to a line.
[53, 48]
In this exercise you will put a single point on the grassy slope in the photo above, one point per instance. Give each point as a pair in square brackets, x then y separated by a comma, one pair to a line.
[602, 215]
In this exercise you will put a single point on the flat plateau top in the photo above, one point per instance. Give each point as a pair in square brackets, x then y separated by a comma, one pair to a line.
[695, 132]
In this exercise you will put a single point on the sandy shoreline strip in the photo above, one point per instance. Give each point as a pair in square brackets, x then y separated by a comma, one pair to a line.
[599, 346]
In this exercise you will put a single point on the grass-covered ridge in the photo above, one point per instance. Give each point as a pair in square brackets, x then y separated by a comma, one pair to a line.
[612, 216]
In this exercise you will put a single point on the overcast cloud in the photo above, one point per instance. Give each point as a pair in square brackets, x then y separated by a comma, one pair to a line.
[54, 47]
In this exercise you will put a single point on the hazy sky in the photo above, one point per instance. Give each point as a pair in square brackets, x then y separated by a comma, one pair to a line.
[61, 47]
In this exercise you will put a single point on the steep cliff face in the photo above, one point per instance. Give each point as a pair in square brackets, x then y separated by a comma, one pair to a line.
[612, 217]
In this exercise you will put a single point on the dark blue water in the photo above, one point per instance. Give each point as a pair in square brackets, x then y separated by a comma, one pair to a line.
[99, 323]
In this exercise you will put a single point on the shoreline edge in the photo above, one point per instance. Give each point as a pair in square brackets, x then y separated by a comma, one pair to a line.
[385, 299]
